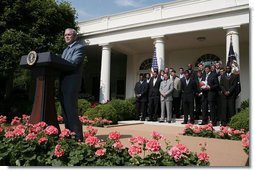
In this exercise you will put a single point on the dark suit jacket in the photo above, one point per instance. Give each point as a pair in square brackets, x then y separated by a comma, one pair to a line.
[154, 90]
[141, 89]
[213, 82]
[188, 91]
[71, 81]
[228, 84]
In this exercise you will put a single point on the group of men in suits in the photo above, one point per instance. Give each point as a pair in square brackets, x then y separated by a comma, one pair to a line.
[212, 91]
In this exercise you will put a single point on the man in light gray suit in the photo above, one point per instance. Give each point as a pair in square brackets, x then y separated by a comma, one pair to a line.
[166, 90]
[70, 83]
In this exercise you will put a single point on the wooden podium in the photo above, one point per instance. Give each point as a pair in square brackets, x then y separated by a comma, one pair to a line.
[46, 67]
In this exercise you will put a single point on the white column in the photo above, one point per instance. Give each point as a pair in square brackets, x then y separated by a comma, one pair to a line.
[235, 41]
[105, 74]
[233, 31]
[160, 51]
[130, 77]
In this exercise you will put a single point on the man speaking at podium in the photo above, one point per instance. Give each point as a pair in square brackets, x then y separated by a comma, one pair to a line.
[70, 83]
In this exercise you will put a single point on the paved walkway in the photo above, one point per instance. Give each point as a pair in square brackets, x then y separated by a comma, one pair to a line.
[221, 152]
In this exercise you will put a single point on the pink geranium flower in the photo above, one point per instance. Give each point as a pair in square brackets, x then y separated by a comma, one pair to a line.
[245, 140]
[100, 152]
[59, 151]
[19, 132]
[41, 124]
[153, 146]
[25, 117]
[118, 145]
[9, 134]
[51, 130]
[66, 133]
[30, 136]
[203, 156]
[177, 152]
[15, 121]
[156, 135]
[1, 129]
[2, 119]
[114, 136]
[92, 140]
[42, 140]
[134, 150]
[141, 140]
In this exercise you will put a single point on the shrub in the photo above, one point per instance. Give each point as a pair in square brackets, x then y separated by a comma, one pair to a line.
[124, 108]
[106, 111]
[132, 100]
[240, 120]
[245, 104]
[83, 106]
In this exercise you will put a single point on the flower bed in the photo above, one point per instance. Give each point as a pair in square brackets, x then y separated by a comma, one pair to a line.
[209, 132]
[24, 144]
[224, 133]
[98, 122]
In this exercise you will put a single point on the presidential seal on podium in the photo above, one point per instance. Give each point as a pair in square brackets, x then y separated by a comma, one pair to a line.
[31, 58]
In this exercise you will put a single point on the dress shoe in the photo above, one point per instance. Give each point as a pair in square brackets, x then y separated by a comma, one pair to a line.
[184, 123]
[168, 121]
[192, 122]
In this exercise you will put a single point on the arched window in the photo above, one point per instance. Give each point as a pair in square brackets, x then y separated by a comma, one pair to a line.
[146, 65]
[207, 59]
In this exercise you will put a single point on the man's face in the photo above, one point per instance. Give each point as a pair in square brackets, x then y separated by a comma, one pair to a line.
[200, 67]
[147, 76]
[173, 74]
[69, 36]
[217, 65]
[207, 70]
[141, 78]
[155, 74]
[165, 76]
[222, 72]
[187, 75]
[181, 71]
[228, 69]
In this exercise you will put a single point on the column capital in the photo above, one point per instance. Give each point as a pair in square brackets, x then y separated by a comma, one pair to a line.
[105, 45]
[231, 27]
[157, 37]
[232, 30]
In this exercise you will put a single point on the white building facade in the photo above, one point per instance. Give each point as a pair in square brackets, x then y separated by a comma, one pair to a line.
[121, 46]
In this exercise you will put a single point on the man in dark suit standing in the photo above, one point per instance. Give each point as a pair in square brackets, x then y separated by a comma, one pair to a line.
[140, 89]
[189, 88]
[70, 83]
[210, 93]
[154, 96]
[228, 85]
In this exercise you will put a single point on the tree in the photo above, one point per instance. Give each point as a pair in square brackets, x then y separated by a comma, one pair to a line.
[28, 24]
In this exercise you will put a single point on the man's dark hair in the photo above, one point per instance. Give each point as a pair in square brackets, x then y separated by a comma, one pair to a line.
[208, 66]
